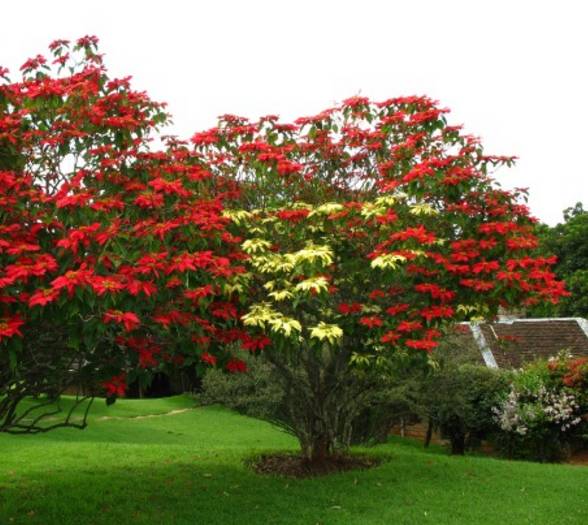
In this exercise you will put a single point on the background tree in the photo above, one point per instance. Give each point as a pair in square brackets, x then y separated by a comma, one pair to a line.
[568, 241]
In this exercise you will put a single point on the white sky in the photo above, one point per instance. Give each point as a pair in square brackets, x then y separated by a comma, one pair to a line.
[514, 73]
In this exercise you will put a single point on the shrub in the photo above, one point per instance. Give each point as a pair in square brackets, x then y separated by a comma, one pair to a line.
[570, 372]
[253, 393]
[455, 393]
[458, 401]
[391, 402]
[540, 416]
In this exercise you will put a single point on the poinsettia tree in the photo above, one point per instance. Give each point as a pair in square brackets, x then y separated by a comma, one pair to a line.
[369, 228]
[340, 241]
[115, 260]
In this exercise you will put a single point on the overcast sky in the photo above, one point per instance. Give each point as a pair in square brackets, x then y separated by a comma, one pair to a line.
[514, 73]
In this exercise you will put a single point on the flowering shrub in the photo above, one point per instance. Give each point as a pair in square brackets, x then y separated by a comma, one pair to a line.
[114, 258]
[540, 415]
[521, 412]
[571, 372]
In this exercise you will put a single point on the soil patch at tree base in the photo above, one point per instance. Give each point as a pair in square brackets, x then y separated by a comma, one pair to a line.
[296, 466]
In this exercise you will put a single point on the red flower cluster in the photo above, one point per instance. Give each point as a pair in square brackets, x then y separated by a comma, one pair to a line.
[10, 326]
[116, 386]
[127, 240]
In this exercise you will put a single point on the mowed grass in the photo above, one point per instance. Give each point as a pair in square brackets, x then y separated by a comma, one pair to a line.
[188, 468]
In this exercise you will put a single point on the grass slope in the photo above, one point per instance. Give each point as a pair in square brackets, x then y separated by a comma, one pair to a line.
[187, 468]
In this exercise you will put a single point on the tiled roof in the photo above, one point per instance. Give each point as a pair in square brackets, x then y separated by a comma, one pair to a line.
[514, 342]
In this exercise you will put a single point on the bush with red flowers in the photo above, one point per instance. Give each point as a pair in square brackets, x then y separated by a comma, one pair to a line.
[115, 260]
[369, 228]
[339, 242]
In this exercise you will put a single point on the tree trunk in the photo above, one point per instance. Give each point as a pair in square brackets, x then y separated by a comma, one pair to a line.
[320, 449]
[458, 444]
[429, 433]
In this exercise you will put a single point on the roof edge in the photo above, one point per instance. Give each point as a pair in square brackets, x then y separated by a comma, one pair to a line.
[579, 320]
[583, 324]
[483, 346]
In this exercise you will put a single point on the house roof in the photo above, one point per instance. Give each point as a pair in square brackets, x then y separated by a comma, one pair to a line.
[513, 342]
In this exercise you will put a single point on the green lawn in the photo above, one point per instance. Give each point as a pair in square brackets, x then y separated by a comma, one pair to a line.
[187, 468]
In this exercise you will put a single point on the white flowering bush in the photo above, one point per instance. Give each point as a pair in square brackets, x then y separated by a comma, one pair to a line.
[536, 417]
[522, 411]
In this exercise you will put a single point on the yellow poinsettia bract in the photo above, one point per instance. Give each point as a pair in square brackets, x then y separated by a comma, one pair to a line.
[316, 284]
[257, 245]
[285, 325]
[423, 209]
[324, 331]
[281, 295]
[388, 261]
[312, 254]
[262, 315]
[327, 209]
[237, 216]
